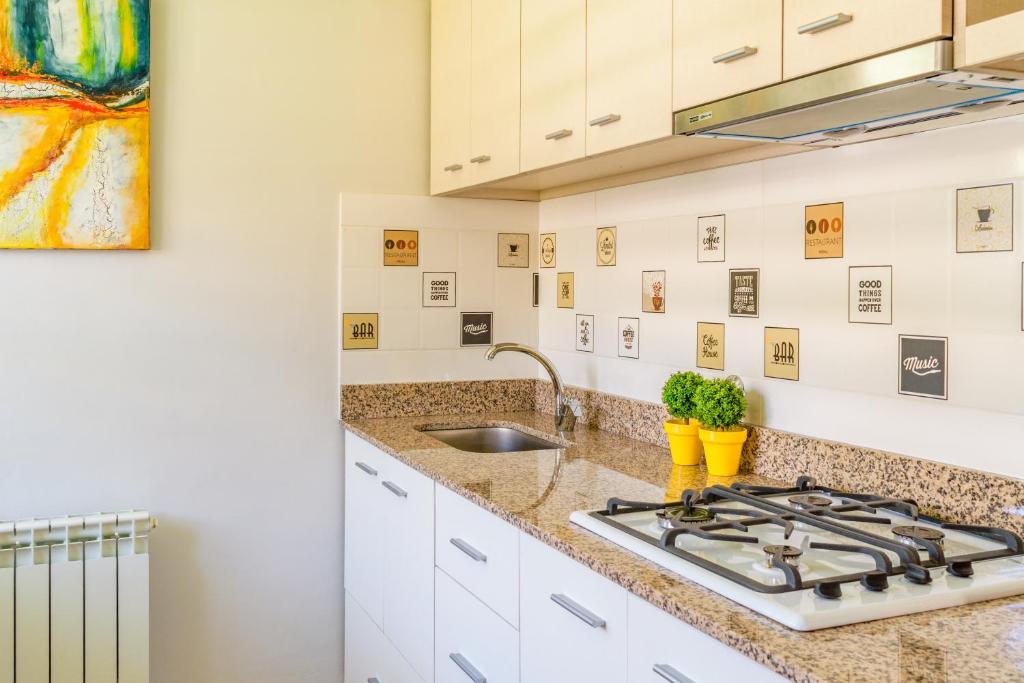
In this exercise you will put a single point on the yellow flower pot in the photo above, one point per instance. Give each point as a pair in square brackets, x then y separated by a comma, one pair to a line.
[722, 451]
[684, 441]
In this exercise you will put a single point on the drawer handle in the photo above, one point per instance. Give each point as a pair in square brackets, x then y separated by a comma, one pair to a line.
[733, 55]
[670, 674]
[394, 489]
[468, 549]
[578, 610]
[366, 468]
[605, 120]
[558, 134]
[825, 24]
[480, 159]
[467, 668]
[373, 679]
[453, 167]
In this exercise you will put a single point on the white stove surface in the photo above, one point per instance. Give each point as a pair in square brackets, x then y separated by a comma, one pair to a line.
[802, 609]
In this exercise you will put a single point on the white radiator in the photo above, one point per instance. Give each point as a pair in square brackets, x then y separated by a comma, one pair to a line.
[74, 599]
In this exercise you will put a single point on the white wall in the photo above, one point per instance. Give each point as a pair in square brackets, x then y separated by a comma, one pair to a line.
[199, 380]
[420, 344]
[900, 210]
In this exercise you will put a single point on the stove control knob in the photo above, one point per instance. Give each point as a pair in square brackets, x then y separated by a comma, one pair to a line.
[960, 568]
[830, 590]
[917, 574]
[875, 581]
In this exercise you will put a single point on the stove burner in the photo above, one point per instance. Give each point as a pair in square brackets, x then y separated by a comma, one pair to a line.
[810, 501]
[909, 535]
[675, 516]
[790, 554]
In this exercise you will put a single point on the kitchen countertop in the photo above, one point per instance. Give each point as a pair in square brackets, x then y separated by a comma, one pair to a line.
[981, 641]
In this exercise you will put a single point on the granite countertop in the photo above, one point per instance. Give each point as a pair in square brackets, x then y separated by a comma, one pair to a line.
[982, 641]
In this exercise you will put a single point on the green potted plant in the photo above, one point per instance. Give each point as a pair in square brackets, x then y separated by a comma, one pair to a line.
[720, 406]
[678, 396]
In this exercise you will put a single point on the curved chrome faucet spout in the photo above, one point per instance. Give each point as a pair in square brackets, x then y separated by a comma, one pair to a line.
[565, 414]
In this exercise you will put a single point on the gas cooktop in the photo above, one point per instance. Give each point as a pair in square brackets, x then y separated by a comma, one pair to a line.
[812, 557]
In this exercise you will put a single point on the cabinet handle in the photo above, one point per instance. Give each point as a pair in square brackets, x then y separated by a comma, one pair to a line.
[394, 489]
[374, 679]
[670, 674]
[558, 134]
[733, 55]
[467, 668]
[605, 120]
[468, 549]
[366, 468]
[453, 167]
[825, 24]
[578, 610]
[480, 159]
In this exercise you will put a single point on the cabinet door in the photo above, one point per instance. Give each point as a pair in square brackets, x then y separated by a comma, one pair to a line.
[724, 48]
[993, 35]
[662, 648]
[471, 639]
[554, 82]
[572, 622]
[494, 109]
[407, 527]
[369, 657]
[449, 94]
[629, 73]
[819, 34]
[364, 500]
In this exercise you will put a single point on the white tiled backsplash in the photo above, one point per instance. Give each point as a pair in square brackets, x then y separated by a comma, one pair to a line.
[899, 200]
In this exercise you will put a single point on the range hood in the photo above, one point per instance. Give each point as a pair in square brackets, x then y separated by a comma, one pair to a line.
[901, 92]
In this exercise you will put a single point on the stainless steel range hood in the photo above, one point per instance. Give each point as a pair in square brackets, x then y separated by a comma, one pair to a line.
[901, 92]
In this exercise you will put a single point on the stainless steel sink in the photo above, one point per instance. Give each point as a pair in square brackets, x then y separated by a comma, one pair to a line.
[490, 440]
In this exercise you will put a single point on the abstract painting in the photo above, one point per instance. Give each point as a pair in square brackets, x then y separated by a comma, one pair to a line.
[74, 124]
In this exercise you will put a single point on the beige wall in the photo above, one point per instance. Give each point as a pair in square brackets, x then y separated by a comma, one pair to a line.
[199, 379]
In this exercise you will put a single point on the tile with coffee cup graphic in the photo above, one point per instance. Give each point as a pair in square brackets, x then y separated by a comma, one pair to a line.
[360, 331]
[711, 346]
[513, 250]
[782, 353]
[607, 246]
[653, 291]
[984, 218]
[566, 290]
[823, 231]
[548, 245]
[924, 366]
[401, 248]
[476, 329]
[629, 337]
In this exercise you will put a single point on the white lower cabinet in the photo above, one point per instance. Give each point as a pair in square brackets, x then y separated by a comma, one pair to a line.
[572, 622]
[369, 656]
[472, 643]
[662, 648]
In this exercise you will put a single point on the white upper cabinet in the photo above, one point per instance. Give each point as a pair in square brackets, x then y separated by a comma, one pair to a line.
[494, 90]
[629, 73]
[819, 34]
[554, 82]
[724, 48]
[449, 94]
[993, 35]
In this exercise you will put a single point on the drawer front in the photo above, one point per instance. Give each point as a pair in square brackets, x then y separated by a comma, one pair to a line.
[479, 551]
[663, 649]
[572, 621]
[819, 34]
[368, 654]
[472, 643]
[407, 528]
[364, 500]
[725, 48]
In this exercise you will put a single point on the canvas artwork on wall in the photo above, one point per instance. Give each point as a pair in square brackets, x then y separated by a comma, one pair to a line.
[74, 124]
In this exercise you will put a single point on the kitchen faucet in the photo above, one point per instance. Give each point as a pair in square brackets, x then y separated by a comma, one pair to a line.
[566, 410]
